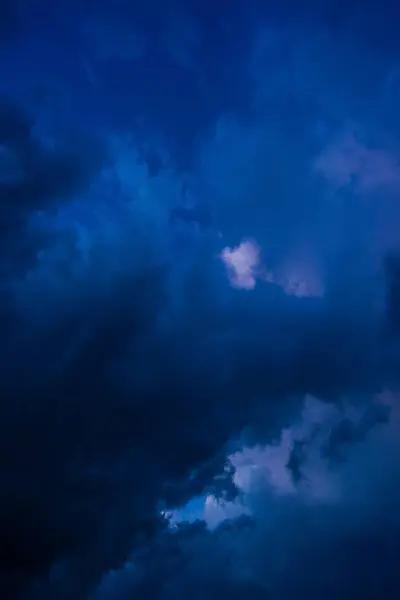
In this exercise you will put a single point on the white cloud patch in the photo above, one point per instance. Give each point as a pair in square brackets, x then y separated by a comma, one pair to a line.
[244, 266]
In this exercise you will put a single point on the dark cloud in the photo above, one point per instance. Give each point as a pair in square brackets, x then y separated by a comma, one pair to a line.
[42, 178]
[134, 372]
[392, 271]
[84, 487]
[8, 20]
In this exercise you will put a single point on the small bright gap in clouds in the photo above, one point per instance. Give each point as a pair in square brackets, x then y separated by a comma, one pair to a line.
[207, 508]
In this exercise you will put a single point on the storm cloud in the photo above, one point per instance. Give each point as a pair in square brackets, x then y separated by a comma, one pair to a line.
[199, 349]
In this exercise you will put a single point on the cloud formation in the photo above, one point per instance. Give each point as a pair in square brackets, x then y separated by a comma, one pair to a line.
[199, 391]
[244, 268]
[348, 161]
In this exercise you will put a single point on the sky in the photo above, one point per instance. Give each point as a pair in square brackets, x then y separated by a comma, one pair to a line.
[199, 300]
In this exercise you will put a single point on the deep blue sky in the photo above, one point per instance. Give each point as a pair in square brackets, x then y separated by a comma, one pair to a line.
[199, 300]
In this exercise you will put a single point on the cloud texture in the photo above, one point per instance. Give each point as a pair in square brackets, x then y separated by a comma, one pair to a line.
[199, 290]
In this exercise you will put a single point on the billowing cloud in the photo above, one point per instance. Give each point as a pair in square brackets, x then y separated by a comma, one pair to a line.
[242, 263]
[200, 410]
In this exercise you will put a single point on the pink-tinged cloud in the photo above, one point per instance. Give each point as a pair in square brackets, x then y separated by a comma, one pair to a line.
[297, 277]
[369, 458]
[242, 263]
[355, 481]
[348, 160]
[269, 464]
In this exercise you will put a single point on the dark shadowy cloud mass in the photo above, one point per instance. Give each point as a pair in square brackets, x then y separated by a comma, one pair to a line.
[199, 292]
[8, 20]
